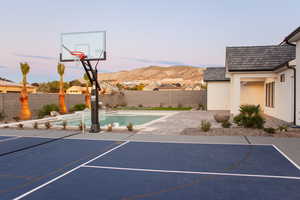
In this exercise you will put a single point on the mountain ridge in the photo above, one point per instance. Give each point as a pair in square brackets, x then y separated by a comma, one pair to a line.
[156, 73]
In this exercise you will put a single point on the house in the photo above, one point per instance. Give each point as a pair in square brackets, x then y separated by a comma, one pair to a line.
[169, 87]
[77, 90]
[7, 86]
[260, 75]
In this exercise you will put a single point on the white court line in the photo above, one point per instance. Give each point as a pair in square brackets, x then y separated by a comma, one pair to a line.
[11, 138]
[191, 172]
[68, 172]
[194, 142]
[284, 155]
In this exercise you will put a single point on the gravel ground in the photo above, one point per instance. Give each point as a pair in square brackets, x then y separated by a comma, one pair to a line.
[240, 132]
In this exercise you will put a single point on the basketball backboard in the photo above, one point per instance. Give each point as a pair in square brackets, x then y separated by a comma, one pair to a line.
[92, 44]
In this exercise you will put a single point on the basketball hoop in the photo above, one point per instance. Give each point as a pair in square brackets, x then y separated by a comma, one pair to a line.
[78, 56]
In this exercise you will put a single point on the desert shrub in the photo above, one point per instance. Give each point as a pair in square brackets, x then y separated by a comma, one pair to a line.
[123, 104]
[270, 130]
[179, 105]
[140, 105]
[6, 123]
[35, 125]
[64, 125]
[46, 109]
[20, 126]
[2, 116]
[47, 125]
[205, 125]
[226, 124]
[221, 118]
[109, 128]
[16, 118]
[201, 107]
[81, 126]
[283, 128]
[78, 107]
[249, 117]
[130, 127]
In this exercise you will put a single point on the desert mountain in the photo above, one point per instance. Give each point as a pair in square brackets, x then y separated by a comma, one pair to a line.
[156, 73]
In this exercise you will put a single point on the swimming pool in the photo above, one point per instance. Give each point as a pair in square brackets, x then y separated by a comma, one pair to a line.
[116, 119]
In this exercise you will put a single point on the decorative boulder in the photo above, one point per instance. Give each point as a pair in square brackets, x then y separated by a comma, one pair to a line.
[221, 117]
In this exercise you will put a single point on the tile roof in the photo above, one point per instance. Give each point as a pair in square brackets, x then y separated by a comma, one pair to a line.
[215, 74]
[258, 58]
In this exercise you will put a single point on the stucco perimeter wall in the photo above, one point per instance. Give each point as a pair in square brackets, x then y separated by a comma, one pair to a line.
[10, 104]
[218, 95]
[165, 98]
[298, 83]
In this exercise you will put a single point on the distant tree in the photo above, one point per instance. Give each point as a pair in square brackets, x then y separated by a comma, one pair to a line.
[75, 83]
[35, 84]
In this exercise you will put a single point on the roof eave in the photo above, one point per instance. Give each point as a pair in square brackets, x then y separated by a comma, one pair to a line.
[294, 36]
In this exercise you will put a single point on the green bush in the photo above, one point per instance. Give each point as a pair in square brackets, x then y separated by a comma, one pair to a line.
[130, 127]
[46, 109]
[249, 117]
[283, 128]
[226, 124]
[270, 130]
[20, 126]
[16, 118]
[78, 107]
[109, 128]
[35, 125]
[2, 116]
[205, 125]
[47, 125]
[64, 125]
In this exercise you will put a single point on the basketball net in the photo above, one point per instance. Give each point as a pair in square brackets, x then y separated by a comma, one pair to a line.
[78, 56]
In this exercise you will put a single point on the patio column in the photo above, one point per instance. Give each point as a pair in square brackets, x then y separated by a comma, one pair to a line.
[235, 94]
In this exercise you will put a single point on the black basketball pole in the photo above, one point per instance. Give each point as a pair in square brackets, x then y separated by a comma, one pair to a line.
[93, 77]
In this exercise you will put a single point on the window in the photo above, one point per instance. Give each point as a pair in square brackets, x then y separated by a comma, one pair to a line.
[270, 94]
[282, 78]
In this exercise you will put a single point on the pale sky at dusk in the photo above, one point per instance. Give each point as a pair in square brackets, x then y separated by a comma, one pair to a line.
[139, 32]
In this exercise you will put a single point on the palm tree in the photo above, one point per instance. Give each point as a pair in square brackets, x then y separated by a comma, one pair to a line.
[62, 104]
[87, 92]
[25, 110]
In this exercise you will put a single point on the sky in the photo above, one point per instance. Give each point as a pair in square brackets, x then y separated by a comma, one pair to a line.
[139, 32]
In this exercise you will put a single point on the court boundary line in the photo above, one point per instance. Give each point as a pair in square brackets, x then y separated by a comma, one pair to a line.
[68, 172]
[285, 156]
[190, 172]
[11, 138]
[192, 142]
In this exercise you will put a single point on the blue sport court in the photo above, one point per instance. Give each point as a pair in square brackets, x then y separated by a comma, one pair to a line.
[96, 169]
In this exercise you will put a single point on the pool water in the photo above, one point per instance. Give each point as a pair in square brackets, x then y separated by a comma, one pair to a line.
[121, 120]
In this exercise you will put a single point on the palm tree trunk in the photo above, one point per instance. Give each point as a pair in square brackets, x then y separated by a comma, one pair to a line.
[25, 110]
[61, 97]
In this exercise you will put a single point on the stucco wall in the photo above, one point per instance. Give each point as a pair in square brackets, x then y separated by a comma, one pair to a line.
[253, 93]
[218, 95]
[165, 98]
[298, 82]
[283, 105]
[10, 104]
